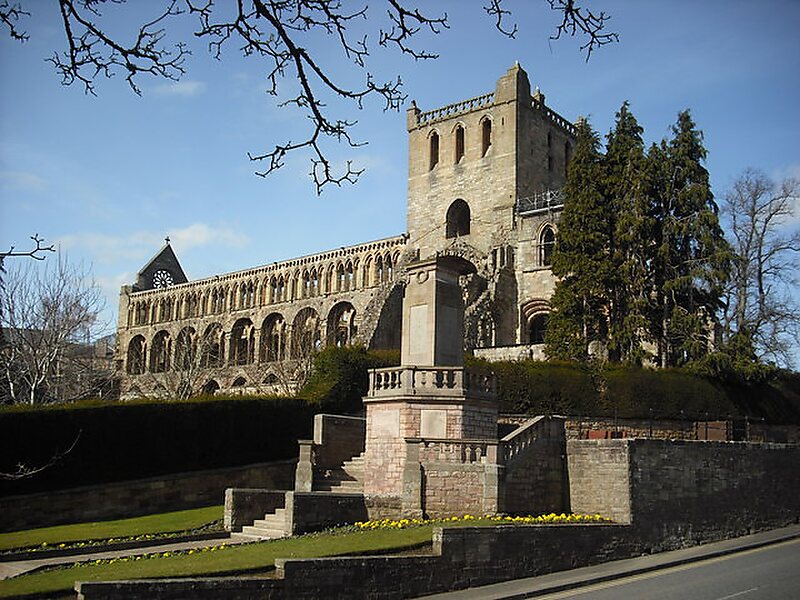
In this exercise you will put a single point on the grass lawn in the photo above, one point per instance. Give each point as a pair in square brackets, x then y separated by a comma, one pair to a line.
[232, 558]
[161, 523]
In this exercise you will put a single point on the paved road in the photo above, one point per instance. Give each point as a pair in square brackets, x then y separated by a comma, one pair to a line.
[769, 573]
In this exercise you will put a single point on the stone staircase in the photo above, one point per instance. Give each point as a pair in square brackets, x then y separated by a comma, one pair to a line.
[272, 526]
[348, 478]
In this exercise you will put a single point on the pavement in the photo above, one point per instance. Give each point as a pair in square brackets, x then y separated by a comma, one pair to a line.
[12, 569]
[577, 578]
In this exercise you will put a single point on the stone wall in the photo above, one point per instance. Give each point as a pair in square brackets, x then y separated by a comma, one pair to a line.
[245, 505]
[139, 497]
[534, 481]
[680, 492]
[315, 511]
[337, 438]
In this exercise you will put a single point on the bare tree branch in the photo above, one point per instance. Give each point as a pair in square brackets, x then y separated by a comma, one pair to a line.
[35, 253]
[9, 15]
[23, 471]
[280, 33]
[576, 20]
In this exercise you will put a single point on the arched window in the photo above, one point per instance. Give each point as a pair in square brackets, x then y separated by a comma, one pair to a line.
[211, 346]
[537, 327]
[341, 324]
[210, 388]
[547, 241]
[242, 342]
[273, 338]
[434, 151]
[136, 356]
[486, 136]
[185, 349]
[161, 352]
[457, 220]
[459, 143]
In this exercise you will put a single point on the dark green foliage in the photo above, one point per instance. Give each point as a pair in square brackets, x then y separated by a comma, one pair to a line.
[581, 256]
[135, 440]
[340, 378]
[567, 388]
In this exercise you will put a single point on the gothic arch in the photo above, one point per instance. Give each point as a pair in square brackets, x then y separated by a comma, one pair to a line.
[341, 324]
[460, 134]
[457, 219]
[161, 352]
[242, 342]
[273, 338]
[212, 349]
[137, 354]
[185, 349]
[486, 134]
[546, 244]
[305, 333]
[433, 149]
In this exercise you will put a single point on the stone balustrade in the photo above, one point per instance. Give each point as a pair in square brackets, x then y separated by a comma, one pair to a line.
[554, 117]
[464, 452]
[448, 111]
[431, 381]
[519, 440]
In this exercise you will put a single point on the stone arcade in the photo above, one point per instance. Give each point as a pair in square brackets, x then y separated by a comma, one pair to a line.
[484, 180]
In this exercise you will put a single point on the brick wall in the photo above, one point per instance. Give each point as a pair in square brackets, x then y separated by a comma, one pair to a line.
[140, 497]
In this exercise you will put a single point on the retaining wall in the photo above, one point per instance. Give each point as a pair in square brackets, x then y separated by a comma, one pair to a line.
[139, 497]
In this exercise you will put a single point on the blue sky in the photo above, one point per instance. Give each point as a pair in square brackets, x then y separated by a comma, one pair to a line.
[107, 178]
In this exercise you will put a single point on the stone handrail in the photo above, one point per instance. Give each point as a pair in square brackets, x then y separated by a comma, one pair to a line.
[431, 381]
[541, 201]
[453, 109]
[556, 118]
[518, 441]
[456, 451]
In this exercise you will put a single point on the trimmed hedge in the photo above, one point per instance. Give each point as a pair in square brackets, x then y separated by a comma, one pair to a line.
[136, 440]
[341, 376]
[535, 387]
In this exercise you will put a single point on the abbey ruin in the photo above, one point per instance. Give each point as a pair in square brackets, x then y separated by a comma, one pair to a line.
[484, 181]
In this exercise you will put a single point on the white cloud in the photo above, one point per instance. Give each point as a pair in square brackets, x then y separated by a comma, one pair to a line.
[22, 181]
[181, 88]
[140, 245]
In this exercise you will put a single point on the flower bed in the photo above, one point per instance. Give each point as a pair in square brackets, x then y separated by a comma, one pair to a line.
[552, 518]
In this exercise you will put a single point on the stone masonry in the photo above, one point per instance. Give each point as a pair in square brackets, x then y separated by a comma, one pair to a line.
[484, 185]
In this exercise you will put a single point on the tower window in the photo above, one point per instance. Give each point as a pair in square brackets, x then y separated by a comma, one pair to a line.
[457, 220]
[434, 150]
[547, 241]
[459, 143]
[486, 136]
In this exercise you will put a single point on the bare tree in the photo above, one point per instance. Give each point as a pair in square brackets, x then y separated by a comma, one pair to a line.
[280, 33]
[47, 315]
[761, 302]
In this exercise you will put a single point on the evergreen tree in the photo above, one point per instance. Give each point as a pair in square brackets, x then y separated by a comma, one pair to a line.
[691, 259]
[630, 242]
[581, 258]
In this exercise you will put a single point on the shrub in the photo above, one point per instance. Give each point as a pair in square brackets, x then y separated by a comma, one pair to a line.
[144, 439]
[341, 376]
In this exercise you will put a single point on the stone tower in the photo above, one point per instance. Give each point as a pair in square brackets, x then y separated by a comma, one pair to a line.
[473, 169]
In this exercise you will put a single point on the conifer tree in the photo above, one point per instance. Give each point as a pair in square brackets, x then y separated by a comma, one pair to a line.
[630, 241]
[690, 263]
[581, 259]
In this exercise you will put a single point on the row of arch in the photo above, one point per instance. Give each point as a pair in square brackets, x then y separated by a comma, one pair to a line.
[273, 339]
[308, 282]
[458, 134]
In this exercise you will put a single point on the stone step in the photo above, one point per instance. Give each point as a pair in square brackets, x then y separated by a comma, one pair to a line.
[263, 532]
[349, 487]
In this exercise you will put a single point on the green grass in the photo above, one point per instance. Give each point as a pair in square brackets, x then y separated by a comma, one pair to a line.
[183, 520]
[232, 558]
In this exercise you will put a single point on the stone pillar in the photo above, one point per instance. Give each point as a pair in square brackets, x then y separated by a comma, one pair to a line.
[412, 482]
[304, 472]
[433, 313]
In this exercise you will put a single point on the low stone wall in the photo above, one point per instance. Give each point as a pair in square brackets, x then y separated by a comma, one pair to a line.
[315, 511]
[679, 492]
[245, 505]
[140, 497]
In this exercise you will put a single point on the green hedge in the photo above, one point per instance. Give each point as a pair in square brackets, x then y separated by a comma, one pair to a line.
[134, 440]
[535, 387]
[340, 378]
